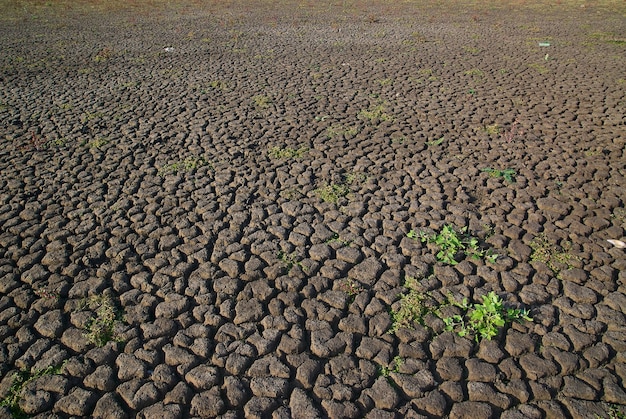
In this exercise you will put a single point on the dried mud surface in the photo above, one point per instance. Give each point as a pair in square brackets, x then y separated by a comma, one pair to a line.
[148, 203]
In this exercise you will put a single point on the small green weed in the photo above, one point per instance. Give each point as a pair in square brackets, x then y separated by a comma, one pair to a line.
[262, 101]
[335, 239]
[186, 165]
[290, 260]
[435, 142]
[332, 192]
[616, 411]
[396, 363]
[339, 131]
[103, 55]
[492, 130]
[414, 305]
[98, 143]
[351, 288]
[507, 174]
[375, 114]
[451, 243]
[485, 319]
[555, 257]
[539, 68]
[20, 379]
[474, 72]
[100, 329]
[287, 152]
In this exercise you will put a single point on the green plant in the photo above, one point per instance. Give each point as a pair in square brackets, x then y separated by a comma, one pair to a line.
[98, 143]
[376, 113]
[483, 320]
[450, 243]
[414, 305]
[492, 130]
[396, 363]
[335, 239]
[474, 72]
[262, 101]
[20, 379]
[100, 328]
[351, 288]
[554, 256]
[290, 260]
[287, 152]
[188, 164]
[435, 142]
[616, 411]
[507, 174]
[103, 55]
[332, 192]
[339, 130]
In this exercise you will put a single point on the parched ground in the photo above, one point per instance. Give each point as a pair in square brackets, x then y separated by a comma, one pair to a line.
[215, 209]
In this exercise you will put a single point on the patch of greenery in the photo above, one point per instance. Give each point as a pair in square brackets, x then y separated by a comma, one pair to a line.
[101, 327]
[483, 320]
[554, 256]
[339, 130]
[335, 239]
[20, 379]
[396, 363]
[98, 143]
[290, 260]
[480, 321]
[507, 174]
[492, 130]
[474, 72]
[539, 68]
[414, 305]
[435, 142]
[188, 164]
[616, 411]
[450, 243]
[262, 101]
[376, 113]
[287, 152]
[332, 192]
[351, 288]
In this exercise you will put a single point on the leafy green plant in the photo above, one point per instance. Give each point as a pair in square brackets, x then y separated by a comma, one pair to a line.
[98, 143]
[20, 379]
[376, 113]
[262, 101]
[474, 72]
[101, 327]
[188, 164]
[351, 288]
[290, 260]
[554, 256]
[396, 363]
[616, 411]
[340, 130]
[103, 55]
[332, 192]
[435, 142]
[287, 152]
[492, 130]
[484, 320]
[450, 243]
[507, 174]
[414, 305]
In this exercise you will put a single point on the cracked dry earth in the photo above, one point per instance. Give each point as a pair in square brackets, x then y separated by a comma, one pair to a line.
[204, 208]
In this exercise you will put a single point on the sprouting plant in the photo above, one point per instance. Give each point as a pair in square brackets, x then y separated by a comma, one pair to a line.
[483, 320]
[98, 143]
[336, 239]
[103, 55]
[188, 164]
[616, 411]
[450, 243]
[20, 379]
[514, 131]
[290, 260]
[396, 364]
[287, 152]
[474, 72]
[100, 328]
[435, 142]
[375, 114]
[554, 256]
[262, 101]
[332, 192]
[351, 288]
[414, 305]
[339, 130]
[492, 130]
[507, 174]
[45, 293]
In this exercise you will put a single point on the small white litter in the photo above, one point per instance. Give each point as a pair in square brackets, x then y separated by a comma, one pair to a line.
[617, 243]
[168, 49]
[544, 44]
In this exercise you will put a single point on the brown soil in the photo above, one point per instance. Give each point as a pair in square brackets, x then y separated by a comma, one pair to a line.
[169, 237]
